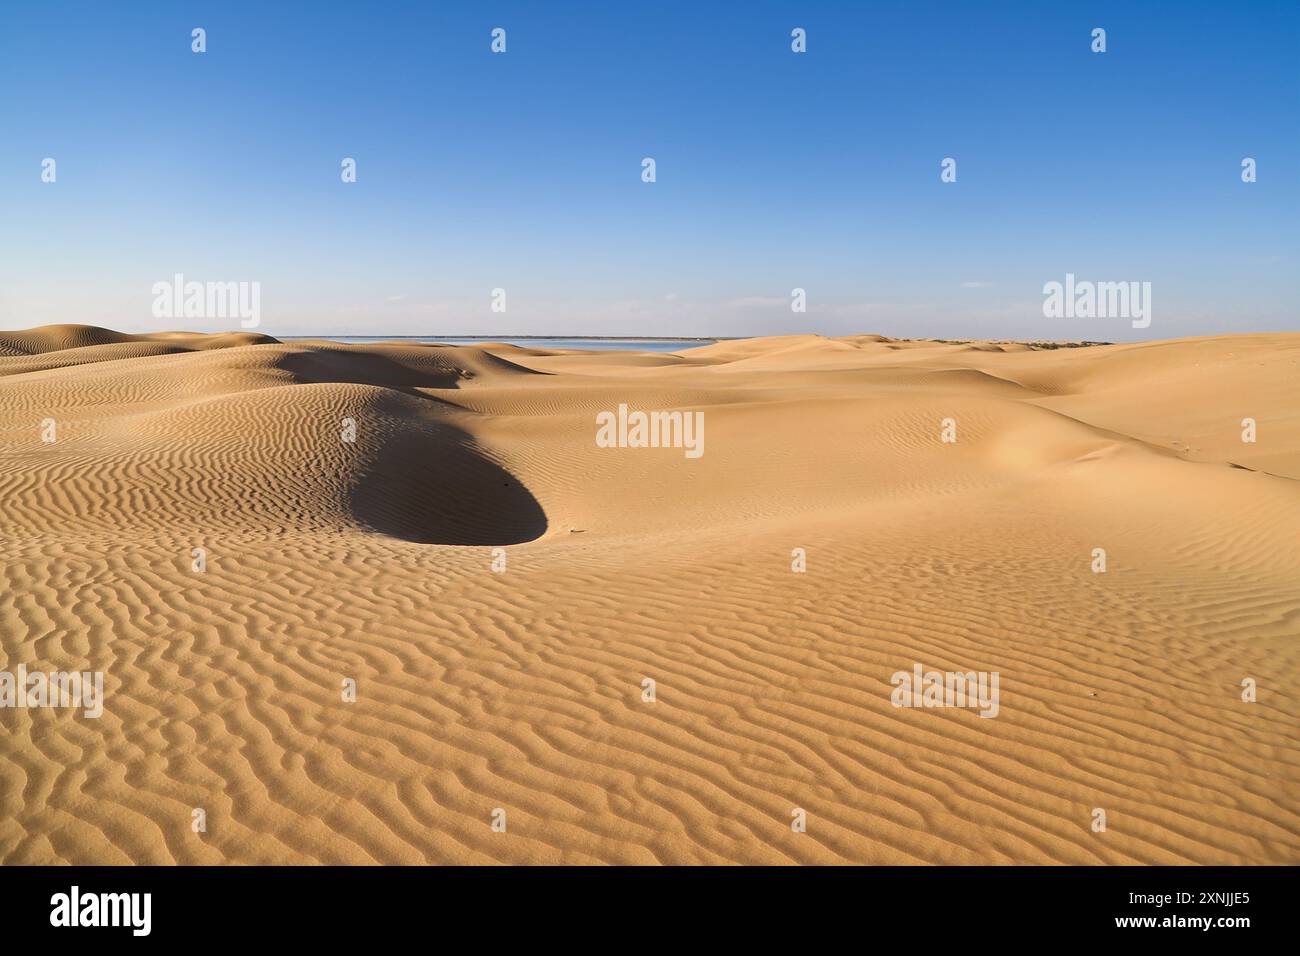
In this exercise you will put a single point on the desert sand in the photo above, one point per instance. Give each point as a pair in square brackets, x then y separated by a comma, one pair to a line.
[480, 689]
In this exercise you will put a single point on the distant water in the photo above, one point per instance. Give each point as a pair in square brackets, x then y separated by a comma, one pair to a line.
[624, 345]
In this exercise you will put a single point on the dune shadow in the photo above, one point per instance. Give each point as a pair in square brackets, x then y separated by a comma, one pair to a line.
[357, 367]
[430, 483]
[402, 368]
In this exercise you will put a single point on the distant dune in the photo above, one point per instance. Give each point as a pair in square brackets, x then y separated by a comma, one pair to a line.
[521, 689]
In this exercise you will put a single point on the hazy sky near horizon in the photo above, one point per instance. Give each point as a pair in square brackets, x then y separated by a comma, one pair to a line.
[775, 170]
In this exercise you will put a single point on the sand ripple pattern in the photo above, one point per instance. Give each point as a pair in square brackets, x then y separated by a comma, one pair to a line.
[522, 690]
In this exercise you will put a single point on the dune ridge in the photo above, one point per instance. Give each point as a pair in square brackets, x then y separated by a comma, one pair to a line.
[521, 689]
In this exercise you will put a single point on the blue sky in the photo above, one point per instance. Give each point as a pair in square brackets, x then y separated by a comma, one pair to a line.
[775, 170]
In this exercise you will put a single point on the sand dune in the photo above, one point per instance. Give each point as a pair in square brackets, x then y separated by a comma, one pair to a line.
[478, 689]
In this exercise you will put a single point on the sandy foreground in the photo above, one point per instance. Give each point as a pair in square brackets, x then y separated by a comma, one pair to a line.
[521, 689]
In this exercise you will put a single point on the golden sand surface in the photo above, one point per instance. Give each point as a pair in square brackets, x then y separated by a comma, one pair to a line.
[500, 588]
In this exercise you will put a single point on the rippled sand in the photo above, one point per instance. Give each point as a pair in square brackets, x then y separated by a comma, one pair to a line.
[522, 690]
